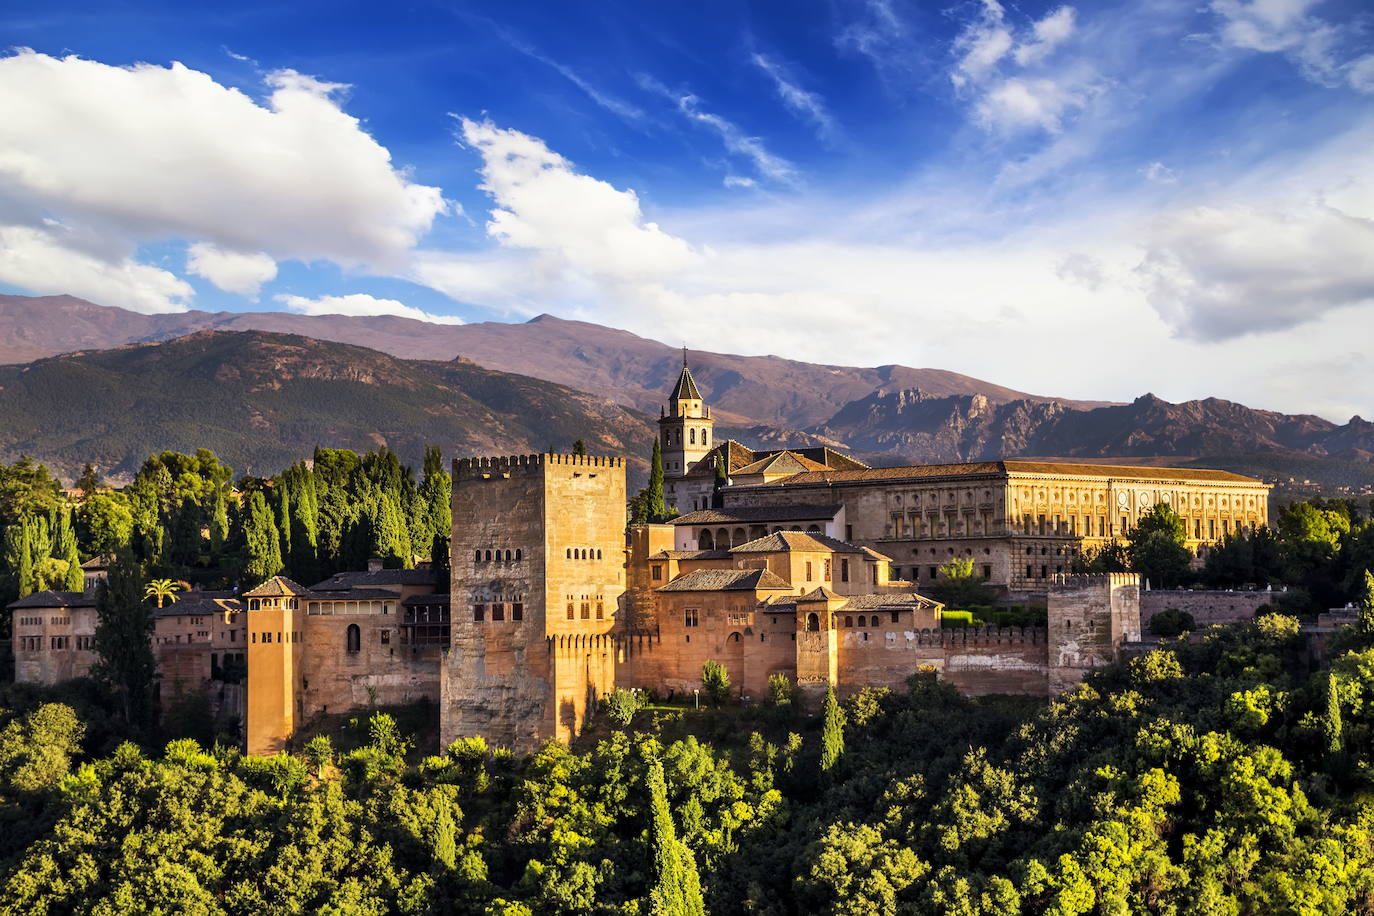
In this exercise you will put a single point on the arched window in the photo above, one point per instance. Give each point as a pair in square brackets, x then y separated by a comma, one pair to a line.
[667, 436]
[478, 557]
[598, 554]
[849, 621]
[517, 554]
[738, 537]
[813, 623]
[567, 554]
[353, 638]
[704, 434]
[692, 435]
[507, 556]
[704, 541]
[734, 637]
[488, 556]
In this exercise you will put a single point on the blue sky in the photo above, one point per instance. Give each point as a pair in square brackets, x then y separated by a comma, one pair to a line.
[1084, 200]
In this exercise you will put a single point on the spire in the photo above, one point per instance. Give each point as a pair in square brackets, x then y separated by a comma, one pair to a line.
[686, 389]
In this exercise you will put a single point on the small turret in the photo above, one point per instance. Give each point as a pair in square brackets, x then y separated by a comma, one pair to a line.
[686, 427]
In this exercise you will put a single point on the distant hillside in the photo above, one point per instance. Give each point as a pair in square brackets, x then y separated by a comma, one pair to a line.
[263, 400]
[743, 390]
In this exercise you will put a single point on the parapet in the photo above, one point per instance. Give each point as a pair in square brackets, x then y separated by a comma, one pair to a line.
[981, 636]
[472, 468]
[1069, 581]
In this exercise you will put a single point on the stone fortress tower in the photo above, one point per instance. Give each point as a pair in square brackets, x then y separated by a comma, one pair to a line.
[538, 566]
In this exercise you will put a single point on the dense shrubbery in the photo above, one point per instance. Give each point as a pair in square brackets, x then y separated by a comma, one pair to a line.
[1220, 775]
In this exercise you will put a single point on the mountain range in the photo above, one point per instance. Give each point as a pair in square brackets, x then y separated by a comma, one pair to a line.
[263, 388]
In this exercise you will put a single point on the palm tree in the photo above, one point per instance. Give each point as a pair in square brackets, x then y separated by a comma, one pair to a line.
[161, 589]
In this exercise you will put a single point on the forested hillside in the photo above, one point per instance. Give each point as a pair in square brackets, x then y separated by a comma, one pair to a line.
[261, 400]
[1222, 775]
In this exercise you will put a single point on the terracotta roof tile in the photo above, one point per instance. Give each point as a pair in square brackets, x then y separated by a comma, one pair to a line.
[723, 580]
[780, 541]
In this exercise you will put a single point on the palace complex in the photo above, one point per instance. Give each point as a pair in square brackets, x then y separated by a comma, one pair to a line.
[804, 563]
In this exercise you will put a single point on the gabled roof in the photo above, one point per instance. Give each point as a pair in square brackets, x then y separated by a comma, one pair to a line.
[200, 603]
[277, 587]
[747, 514]
[49, 599]
[1012, 467]
[737, 456]
[783, 462]
[691, 555]
[821, 594]
[889, 601]
[725, 580]
[353, 594]
[686, 388]
[784, 541]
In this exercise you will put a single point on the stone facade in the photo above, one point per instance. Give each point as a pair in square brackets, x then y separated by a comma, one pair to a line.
[53, 636]
[1207, 607]
[539, 579]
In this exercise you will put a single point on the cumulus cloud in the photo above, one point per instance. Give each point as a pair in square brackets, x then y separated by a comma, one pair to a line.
[47, 264]
[231, 271]
[182, 157]
[1001, 70]
[1219, 272]
[808, 106]
[358, 305]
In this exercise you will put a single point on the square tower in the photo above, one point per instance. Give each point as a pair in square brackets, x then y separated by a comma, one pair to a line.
[275, 679]
[538, 565]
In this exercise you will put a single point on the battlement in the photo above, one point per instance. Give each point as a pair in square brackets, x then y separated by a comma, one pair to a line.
[1069, 581]
[507, 465]
[981, 636]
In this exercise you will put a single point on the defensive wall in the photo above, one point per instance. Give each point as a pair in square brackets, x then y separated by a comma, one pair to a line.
[1206, 607]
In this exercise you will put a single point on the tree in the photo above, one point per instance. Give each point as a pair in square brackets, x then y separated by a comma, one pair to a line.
[19, 559]
[123, 641]
[1331, 722]
[832, 731]
[676, 887]
[958, 584]
[579, 448]
[74, 580]
[1109, 558]
[219, 522]
[1156, 548]
[105, 523]
[89, 481]
[715, 681]
[1366, 621]
[160, 590]
[440, 563]
[262, 559]
[1172, 622]
[654, 506]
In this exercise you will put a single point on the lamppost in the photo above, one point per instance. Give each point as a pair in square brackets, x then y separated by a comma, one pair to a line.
[696, 697]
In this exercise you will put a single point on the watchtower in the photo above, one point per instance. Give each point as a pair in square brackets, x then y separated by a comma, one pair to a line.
[538, 566]
[275, 688]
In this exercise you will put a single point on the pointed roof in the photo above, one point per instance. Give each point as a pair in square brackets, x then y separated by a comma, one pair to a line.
[277, 587]
[821, 594]
[726, 580]
[784, 462]
[686, 389]
[786, 541]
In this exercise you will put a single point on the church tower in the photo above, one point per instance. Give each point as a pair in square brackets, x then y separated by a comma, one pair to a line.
[685, 426]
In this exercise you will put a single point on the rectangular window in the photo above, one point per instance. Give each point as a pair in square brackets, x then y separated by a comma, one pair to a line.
[570, 610]
[586, 610]
[894, 616]
[826, 571]
[849, 532]
[1029, 574]
[1044, 572]
[600, 611]
[1211, 529]
[1102, 526]
[1125, 524]
[498, 612]
[844, 570]
[658, 572]
[386, 637]
[987, 571]
[517, 611]
[808, 570]
[689, 617]
[934, 573]
[266, 637]
[1197, 529]
[479, 613]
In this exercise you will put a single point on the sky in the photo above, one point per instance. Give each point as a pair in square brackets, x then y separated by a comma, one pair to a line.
[1090, 200]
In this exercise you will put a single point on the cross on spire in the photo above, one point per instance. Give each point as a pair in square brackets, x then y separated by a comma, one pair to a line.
[684, 356]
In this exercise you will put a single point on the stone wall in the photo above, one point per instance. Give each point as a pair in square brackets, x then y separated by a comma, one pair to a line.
[380, 671]
[1089, 618]
[1207, 607]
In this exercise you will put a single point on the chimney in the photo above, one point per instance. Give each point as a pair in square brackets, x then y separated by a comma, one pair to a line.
[374, 564]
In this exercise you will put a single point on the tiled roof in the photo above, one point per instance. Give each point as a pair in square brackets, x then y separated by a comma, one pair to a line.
[102, 562]
[738, 456]
[53, 599]
[691, 555]
[795, 540]
[747, 514]
[888, 601]
[376, 578]
[198, 603]
[821, 594]
[686, 388]
[352, 594]
[277, 587]
[1005, 468]
[433, 598]
[723, 580]
[779, 462]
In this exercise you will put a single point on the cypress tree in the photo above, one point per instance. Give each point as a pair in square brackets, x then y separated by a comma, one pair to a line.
[123, 641]
[23, 570]
[1331, 722]
[284, 522]
[262, 546]
[579, 447]
[832, 731]
[74, 580]
[445, 837]
[656, 509]
[436, 489]
[219, 522]
[390, 535]
[1366, 622]
[439, 562]
[676, 889]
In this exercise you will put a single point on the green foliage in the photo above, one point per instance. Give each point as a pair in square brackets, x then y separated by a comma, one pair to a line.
[621, 704]
[123, 642]
[832, 731]
[262, 546]
[676, 888]
[781, 690]
[715, 682]
[958, 584]
[1155, 547]
[1111, 557]
[1172, 622]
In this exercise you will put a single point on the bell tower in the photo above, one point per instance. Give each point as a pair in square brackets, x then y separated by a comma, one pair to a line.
[685, 425]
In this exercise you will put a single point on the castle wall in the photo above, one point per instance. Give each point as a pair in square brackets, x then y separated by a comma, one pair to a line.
[381, 671]
[1207, 607]
[1089, 618]
[50, 644]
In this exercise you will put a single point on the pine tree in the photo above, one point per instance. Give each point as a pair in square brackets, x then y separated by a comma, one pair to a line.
[676, 889]
[1331, 722]
[262, 546]
[123, 641]
[89, 481]
[832, 731]
[656, 509]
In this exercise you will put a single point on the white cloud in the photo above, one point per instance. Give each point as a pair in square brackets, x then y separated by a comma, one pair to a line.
[809, 106]
[740, 181]
[1005, 77]
[231, 271]
[734, 139]
[1159, 172]
[359, 305]
[131, 155]
[1288, 27]
[47, 264]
